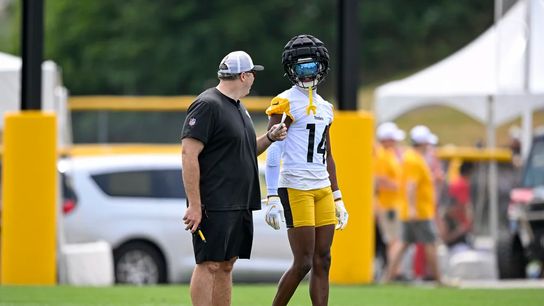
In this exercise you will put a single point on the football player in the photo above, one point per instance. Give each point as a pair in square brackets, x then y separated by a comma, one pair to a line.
[305, 190]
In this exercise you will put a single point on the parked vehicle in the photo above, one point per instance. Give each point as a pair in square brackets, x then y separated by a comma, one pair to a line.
[520, 250]
[136, 203]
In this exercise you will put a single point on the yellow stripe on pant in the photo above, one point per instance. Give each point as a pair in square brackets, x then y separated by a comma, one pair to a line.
[29, 190]
[353, 248]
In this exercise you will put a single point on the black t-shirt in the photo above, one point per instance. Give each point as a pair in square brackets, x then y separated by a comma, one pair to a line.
[229, 177]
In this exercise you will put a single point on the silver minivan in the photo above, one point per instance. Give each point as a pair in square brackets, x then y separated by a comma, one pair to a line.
[136, 202]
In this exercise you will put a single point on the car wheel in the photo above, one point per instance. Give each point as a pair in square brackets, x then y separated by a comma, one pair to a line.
[510, 258]
[139, 263]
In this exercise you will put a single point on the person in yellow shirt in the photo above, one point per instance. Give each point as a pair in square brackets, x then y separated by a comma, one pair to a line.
[417, 209]
[387, 172]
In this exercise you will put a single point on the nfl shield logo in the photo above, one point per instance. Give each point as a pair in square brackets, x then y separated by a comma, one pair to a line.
[192, 121]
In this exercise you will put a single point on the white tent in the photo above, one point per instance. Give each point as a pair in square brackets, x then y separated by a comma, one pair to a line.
[54, 94]
[504, 67]
[496, 78]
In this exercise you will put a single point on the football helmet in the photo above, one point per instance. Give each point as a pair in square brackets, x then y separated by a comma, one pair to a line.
[305, 60]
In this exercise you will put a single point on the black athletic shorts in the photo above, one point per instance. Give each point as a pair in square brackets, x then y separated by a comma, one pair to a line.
[418, 231]
[228, 234]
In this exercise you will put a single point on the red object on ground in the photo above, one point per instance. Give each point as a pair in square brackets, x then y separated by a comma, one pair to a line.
[419, 261]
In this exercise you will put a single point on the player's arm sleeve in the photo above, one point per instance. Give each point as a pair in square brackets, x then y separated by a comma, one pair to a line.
[279, 106]
[272, 170]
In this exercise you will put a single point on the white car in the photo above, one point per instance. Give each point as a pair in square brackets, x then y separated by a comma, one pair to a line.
[136, 203]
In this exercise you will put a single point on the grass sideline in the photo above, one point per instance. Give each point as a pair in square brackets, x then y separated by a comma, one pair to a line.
[262, 294]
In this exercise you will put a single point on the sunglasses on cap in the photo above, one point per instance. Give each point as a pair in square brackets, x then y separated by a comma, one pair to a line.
[252, 72]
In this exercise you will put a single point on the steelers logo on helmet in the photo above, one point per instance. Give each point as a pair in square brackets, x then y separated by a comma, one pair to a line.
[305, 60]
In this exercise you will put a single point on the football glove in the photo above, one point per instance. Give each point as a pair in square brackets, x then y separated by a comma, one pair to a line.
[274, 212]
[341, 212]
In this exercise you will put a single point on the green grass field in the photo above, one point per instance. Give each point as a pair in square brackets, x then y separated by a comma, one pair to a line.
[257, 295]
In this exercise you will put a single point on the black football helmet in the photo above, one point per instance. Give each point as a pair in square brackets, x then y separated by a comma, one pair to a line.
[305, 60]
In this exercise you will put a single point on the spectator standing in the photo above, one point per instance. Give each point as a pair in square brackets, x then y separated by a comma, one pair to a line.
[420, 268]
[388, 158]
[418, 207]
[456, 214]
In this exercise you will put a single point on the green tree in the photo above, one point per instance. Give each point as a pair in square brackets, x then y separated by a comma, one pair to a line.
[169, 47]
[401, 36]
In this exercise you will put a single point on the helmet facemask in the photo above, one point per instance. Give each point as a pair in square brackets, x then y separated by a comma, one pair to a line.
[307, 72]
[306, 61]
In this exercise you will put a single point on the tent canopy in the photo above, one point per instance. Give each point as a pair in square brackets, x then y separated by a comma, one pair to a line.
[496, 78]
[491, 67]
[54, 94]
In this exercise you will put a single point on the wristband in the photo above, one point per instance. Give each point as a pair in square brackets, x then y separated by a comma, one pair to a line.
[269, 139]
[337, 195]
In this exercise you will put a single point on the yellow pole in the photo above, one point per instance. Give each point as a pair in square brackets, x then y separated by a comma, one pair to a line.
[353, 248]
[29, 190]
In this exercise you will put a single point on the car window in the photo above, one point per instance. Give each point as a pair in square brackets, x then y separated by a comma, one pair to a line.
[67, 187]
[534, 169]
[165, 183]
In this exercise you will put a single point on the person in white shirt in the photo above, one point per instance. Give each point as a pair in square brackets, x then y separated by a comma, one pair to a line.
[305, 190]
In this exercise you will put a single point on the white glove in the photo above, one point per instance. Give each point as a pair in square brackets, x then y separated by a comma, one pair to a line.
[341, 214]
[274, 212]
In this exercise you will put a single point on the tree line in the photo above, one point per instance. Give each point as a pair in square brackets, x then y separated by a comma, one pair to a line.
[172, 47]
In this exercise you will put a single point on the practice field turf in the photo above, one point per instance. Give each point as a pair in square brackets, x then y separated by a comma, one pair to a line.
[257, 295]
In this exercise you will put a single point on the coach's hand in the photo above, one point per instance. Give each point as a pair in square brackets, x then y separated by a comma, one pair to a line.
[274, 212]
[277, 132]
[192, 218]
[341, 214]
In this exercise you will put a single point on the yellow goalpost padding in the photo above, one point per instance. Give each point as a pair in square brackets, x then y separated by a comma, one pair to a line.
[353, 247]
[29, 191]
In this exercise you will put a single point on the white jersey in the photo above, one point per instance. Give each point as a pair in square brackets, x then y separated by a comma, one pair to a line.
[304, 154]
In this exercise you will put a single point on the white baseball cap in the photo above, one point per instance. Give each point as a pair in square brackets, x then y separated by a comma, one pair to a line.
[237, 62]
[421, 134]
[389, 130]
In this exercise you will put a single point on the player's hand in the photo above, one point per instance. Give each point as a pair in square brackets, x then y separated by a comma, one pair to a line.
[274, 212]
[341, 214]
[278, 132]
